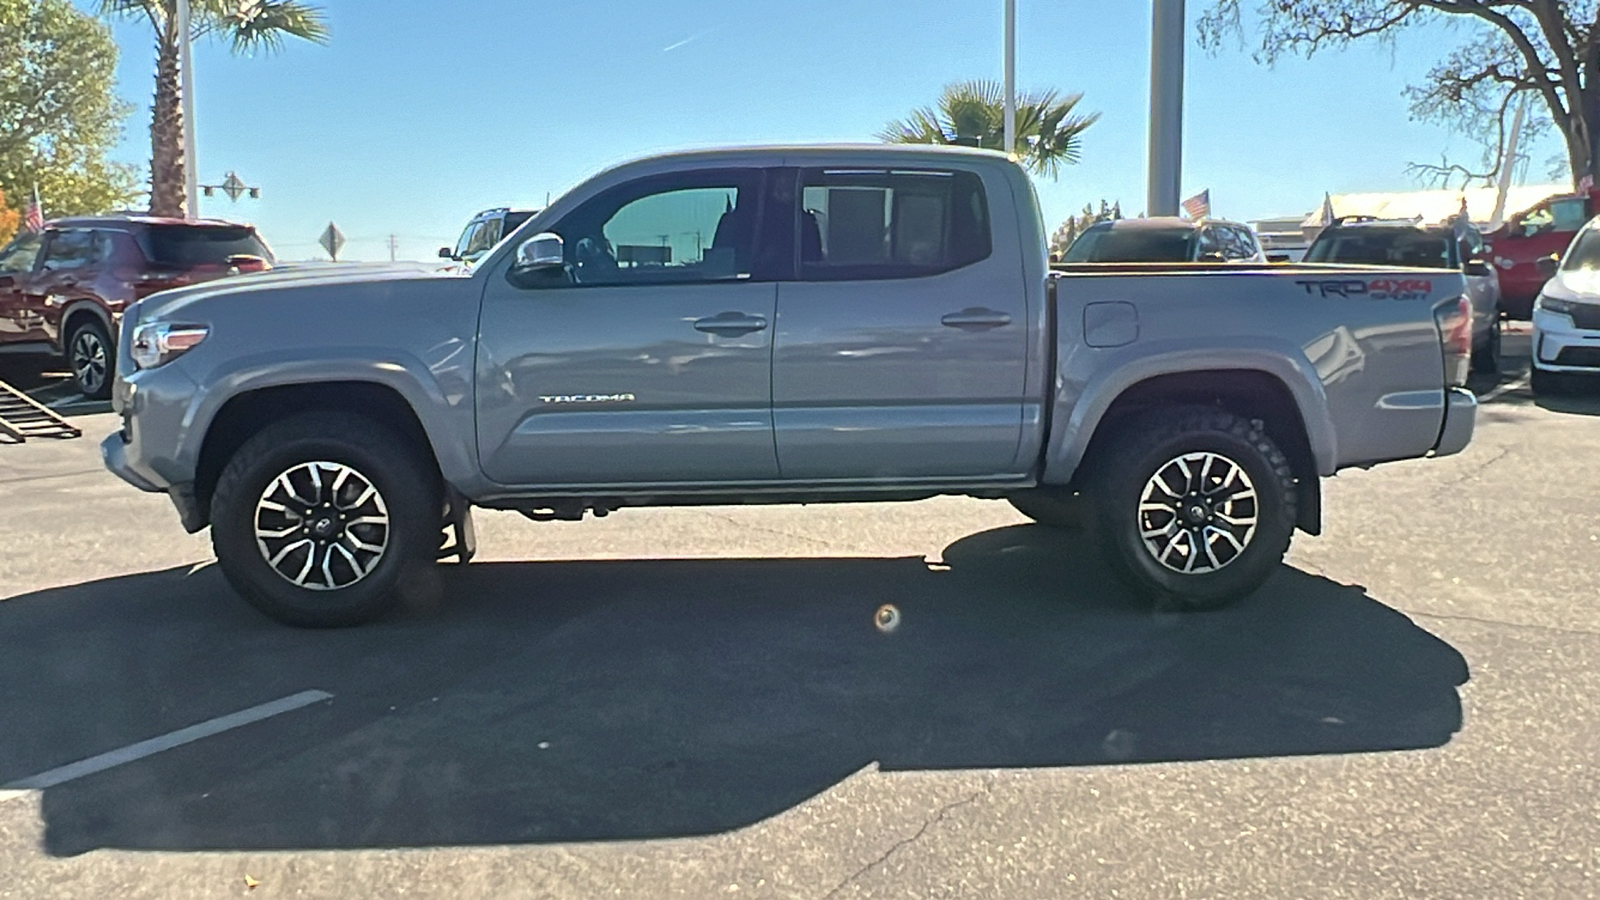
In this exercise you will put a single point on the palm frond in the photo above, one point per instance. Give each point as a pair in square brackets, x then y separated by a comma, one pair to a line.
[972, 113]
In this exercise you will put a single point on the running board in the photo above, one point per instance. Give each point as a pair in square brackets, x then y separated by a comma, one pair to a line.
[22, 417]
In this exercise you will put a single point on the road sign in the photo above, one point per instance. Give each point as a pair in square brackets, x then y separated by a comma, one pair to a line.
[332, 241]
[234, 187]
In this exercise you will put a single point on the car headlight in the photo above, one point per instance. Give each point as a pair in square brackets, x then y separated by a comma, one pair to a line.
[159, 343]
[1556, 305]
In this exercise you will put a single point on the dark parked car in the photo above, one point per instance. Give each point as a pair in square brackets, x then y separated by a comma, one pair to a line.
[1166, 240]
[484, 231]
[62, 290]
[1403, 242]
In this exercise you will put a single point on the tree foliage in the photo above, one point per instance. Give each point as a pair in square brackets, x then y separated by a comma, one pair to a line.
[972, 114]
[58, 115]
[1545, 50]
[247, 25]
[1069, 230]
[9, 220]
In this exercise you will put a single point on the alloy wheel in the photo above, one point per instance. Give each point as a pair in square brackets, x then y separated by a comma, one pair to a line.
[1198, 513]
[322, 525]
[89, 360]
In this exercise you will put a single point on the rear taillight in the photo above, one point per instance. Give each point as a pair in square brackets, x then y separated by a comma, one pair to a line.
[148, 283]
[1454, 320]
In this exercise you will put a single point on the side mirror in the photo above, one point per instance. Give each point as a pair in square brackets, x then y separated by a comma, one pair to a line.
[1548, 265]
[446, 253]
[542, 251]
[1478, 268]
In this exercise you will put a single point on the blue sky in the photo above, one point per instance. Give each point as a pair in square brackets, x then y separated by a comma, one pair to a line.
[419, 114]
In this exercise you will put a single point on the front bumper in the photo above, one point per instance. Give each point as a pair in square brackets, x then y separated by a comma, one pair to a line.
[1460, 418]
[1559, 346]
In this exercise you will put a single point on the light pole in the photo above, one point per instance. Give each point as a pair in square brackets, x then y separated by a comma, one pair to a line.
[191, 177]
[1011, 78]
[1166, 108]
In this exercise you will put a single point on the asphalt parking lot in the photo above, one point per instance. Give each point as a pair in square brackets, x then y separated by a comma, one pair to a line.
[695, 703]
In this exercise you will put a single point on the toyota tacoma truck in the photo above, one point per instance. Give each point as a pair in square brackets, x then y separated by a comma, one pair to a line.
[778, 325]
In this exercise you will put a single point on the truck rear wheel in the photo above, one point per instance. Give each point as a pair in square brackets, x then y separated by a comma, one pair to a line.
[1192, 505]
[318, 520]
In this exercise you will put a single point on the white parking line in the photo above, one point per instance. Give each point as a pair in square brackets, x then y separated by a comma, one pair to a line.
[1509, 386]
[155, 745]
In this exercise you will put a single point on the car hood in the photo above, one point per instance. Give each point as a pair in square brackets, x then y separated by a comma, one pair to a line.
[1582, 285]
[329, 279]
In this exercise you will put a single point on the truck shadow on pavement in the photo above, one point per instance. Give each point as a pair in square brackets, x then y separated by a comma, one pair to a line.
[634, 699]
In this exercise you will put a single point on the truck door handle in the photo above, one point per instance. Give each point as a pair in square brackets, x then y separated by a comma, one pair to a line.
[976, 317]
[731, 324]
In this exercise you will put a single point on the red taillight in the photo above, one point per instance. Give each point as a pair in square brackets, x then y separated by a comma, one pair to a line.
[1455, 337]
[150, 282]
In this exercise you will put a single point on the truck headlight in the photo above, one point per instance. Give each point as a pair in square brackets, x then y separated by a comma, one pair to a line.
[1555, 305]
[159, 343]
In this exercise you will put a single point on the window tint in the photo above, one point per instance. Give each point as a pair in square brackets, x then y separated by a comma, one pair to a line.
[1243, 245]
[859, 224]
[1143, 245]
[19, 256]
[71, 250]
[684, 227]
[191, 246]
[1568, 215]
[1083, 247]
[1383, 247]
[1210, 244]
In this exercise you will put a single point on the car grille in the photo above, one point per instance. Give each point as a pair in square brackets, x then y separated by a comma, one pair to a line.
[1586, 316]
[1579, 356]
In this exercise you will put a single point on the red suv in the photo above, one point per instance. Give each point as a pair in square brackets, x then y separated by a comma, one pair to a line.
[63, 290]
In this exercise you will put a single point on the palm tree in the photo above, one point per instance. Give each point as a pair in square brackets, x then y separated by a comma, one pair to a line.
[972, 114]
[249, 25]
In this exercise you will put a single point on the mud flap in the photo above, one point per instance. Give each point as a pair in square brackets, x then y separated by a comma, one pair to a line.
[457, 539]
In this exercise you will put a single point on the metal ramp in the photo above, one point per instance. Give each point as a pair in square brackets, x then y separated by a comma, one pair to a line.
[22, 417]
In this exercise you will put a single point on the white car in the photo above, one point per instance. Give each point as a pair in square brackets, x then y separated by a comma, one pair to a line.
[1566, 316]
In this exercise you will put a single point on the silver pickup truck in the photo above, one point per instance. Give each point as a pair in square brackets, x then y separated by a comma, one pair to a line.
[778, 325]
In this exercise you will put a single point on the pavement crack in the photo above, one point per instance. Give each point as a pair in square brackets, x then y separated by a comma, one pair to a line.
[778, 532]
[1478, 469]
[21, 478]
[894, 848]
[1480, 620]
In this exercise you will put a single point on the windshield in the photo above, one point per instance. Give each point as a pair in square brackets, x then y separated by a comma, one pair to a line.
[1132, 245]
[478, 238]
[1585, 253]
[1383, 247]
[188, 246]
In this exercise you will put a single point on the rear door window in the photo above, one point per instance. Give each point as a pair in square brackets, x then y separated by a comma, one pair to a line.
[71, 250]
[200, 246]
[866, 224]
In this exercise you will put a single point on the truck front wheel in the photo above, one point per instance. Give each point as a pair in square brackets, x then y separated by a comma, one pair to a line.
[319, 519]
[1192, 505]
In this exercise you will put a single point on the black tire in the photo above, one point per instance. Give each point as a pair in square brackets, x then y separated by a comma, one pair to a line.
[408, 495]
[1486, 359]
[92, 358]
[1052, 507]
[1127, 464]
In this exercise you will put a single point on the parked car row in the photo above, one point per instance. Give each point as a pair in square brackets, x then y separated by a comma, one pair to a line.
[63, 289]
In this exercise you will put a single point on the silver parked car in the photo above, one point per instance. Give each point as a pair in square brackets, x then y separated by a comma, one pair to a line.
[1403, 242]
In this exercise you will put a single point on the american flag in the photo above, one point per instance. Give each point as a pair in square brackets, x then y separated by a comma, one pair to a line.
[33, 216]
[1198, 206]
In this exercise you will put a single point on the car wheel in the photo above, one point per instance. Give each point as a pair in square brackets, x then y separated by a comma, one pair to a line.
[1054, 507]
[321, 519]
[93, 362]
[1486, 360]
[1193, 506]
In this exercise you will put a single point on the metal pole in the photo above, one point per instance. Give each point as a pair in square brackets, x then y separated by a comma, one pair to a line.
[1011, 78]
[191, 171]
[1166, 108]
[1507, 164]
